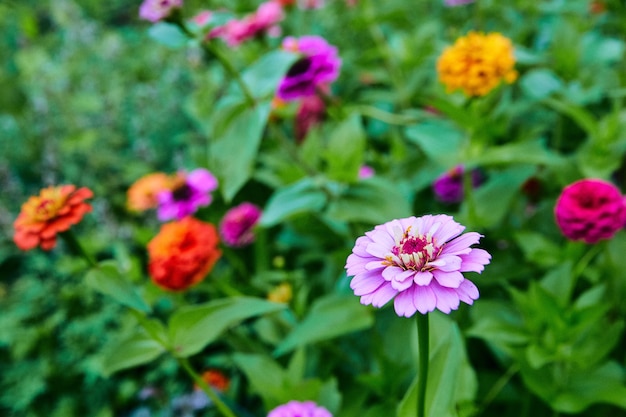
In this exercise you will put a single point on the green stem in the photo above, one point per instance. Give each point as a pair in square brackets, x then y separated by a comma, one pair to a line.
[422, 379]
[221, 405]
[71, 241]
[261, 256]
[497, 388]
[387, 117]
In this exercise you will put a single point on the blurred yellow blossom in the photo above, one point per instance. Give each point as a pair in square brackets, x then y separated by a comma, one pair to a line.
[281, 293]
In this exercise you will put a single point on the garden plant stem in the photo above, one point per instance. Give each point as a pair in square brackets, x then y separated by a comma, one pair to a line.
[422, 379]
[221, 405]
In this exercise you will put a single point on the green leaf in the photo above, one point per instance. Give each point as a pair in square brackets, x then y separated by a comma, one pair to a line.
[167, 34]
[345, 150]
[440, 140]
[232, 155]
[540, 83]
[135, 350]
[345, 314]
[300, 197]
[355, 204]
[450, 377]
[266, 73]
[537, 248]
[582, 117]
[107, 279]
[532, 152]
[192, 328]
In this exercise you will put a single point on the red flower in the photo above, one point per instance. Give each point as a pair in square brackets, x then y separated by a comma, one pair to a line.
[53, 211]
[183, 253]
[216, 379]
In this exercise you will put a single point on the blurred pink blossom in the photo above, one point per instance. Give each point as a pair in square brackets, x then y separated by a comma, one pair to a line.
[155, 10]
[264, 20]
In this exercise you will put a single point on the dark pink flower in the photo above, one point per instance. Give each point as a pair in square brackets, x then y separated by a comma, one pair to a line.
[318, 67]
[590, 210]
[311, 112]
[236, 228]
[299, 409]
[155, 10]
[418, 260]
[366, 171]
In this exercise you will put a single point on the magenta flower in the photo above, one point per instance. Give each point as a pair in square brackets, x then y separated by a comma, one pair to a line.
[448, 187]
[318, 66]
[191, 191]
[264, 20]
[299, 409]
[366, 171]
[453, 3]
[155, 10]
[590, 210]
[418, 260]
[236, 228]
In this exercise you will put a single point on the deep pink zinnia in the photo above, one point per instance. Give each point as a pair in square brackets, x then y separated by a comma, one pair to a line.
[418, 260]
[155, 10]
[299, 409]
[191, 191]
[236, 228]
[590, 210]
[318, 67]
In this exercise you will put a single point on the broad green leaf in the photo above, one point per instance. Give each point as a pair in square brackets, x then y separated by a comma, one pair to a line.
[345, 150]
[450, 377]
[192, 328]
[266, 73]
[135, 350]
[167, 34]
[345, 314]
[537, 248]
[534, 152]
[357, 203]
[559, 281]
[582, 117]
[440, 140]
[107, 279]
[304, 196]
[233, 154]
[540, 83]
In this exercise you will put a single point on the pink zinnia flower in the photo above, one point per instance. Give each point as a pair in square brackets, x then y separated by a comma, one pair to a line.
[191, 191]
[264, 20]
[448, 187]
[299, 409]
[318, 67]
[236, 228]
[366, 171]
[590, 210]
[418, 260]
[155, 10]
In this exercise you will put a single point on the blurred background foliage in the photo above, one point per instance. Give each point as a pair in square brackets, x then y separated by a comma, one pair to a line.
[89, 98]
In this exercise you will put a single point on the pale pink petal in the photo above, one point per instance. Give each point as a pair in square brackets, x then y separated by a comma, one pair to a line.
[403, 304]
[423, 278]
[447, 298]
[446, 263]
[390, 272]
[366, 283]
[378, 250]
[468, 292]
[403, 280]
[448, 279]
[382, 295]
[475, 261]
[424, 299]
[461, 245]
[373, 265]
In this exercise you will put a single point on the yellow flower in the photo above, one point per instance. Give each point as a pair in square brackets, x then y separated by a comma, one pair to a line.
[281, 294]
[477, 63]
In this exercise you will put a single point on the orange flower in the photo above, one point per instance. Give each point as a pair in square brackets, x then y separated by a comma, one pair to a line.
[142, 195]
[53, 211]
[477, 63]
[216, 379]
[183, 253]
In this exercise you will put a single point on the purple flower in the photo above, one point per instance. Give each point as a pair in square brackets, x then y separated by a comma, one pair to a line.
[237, 224]
[299, 409]
[453, 3]
[448, 187]
[419, 261]
[191, 191]
[366, 171]
[155, 10]
[318, 66]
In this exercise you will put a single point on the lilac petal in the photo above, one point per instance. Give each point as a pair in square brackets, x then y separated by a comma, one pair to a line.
[461, 245]
[447, 298]
[403, 304]
[448, 279]
[468, 292]
[448, 230]
[202, 180]
[377, 250]
[360, 246]
[374, 265]
[355, 265]
[424, 299]
[382, 295]
[391, 272]
[366, 283]
[475, 261]
[423, 278]
[446, 263]
[401, 281]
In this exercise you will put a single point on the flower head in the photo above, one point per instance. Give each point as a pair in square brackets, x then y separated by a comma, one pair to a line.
[155, 10]
[448, 187]
[477, 63]
[299, 409]
[590, 210]
[418, 260]
[366, 172]
[53, 211]
[264, 20]
[189, 192]
[236, 228]
[216, 379]
[282, 293]
[142, 195]
[318, 66]
[183, 253]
